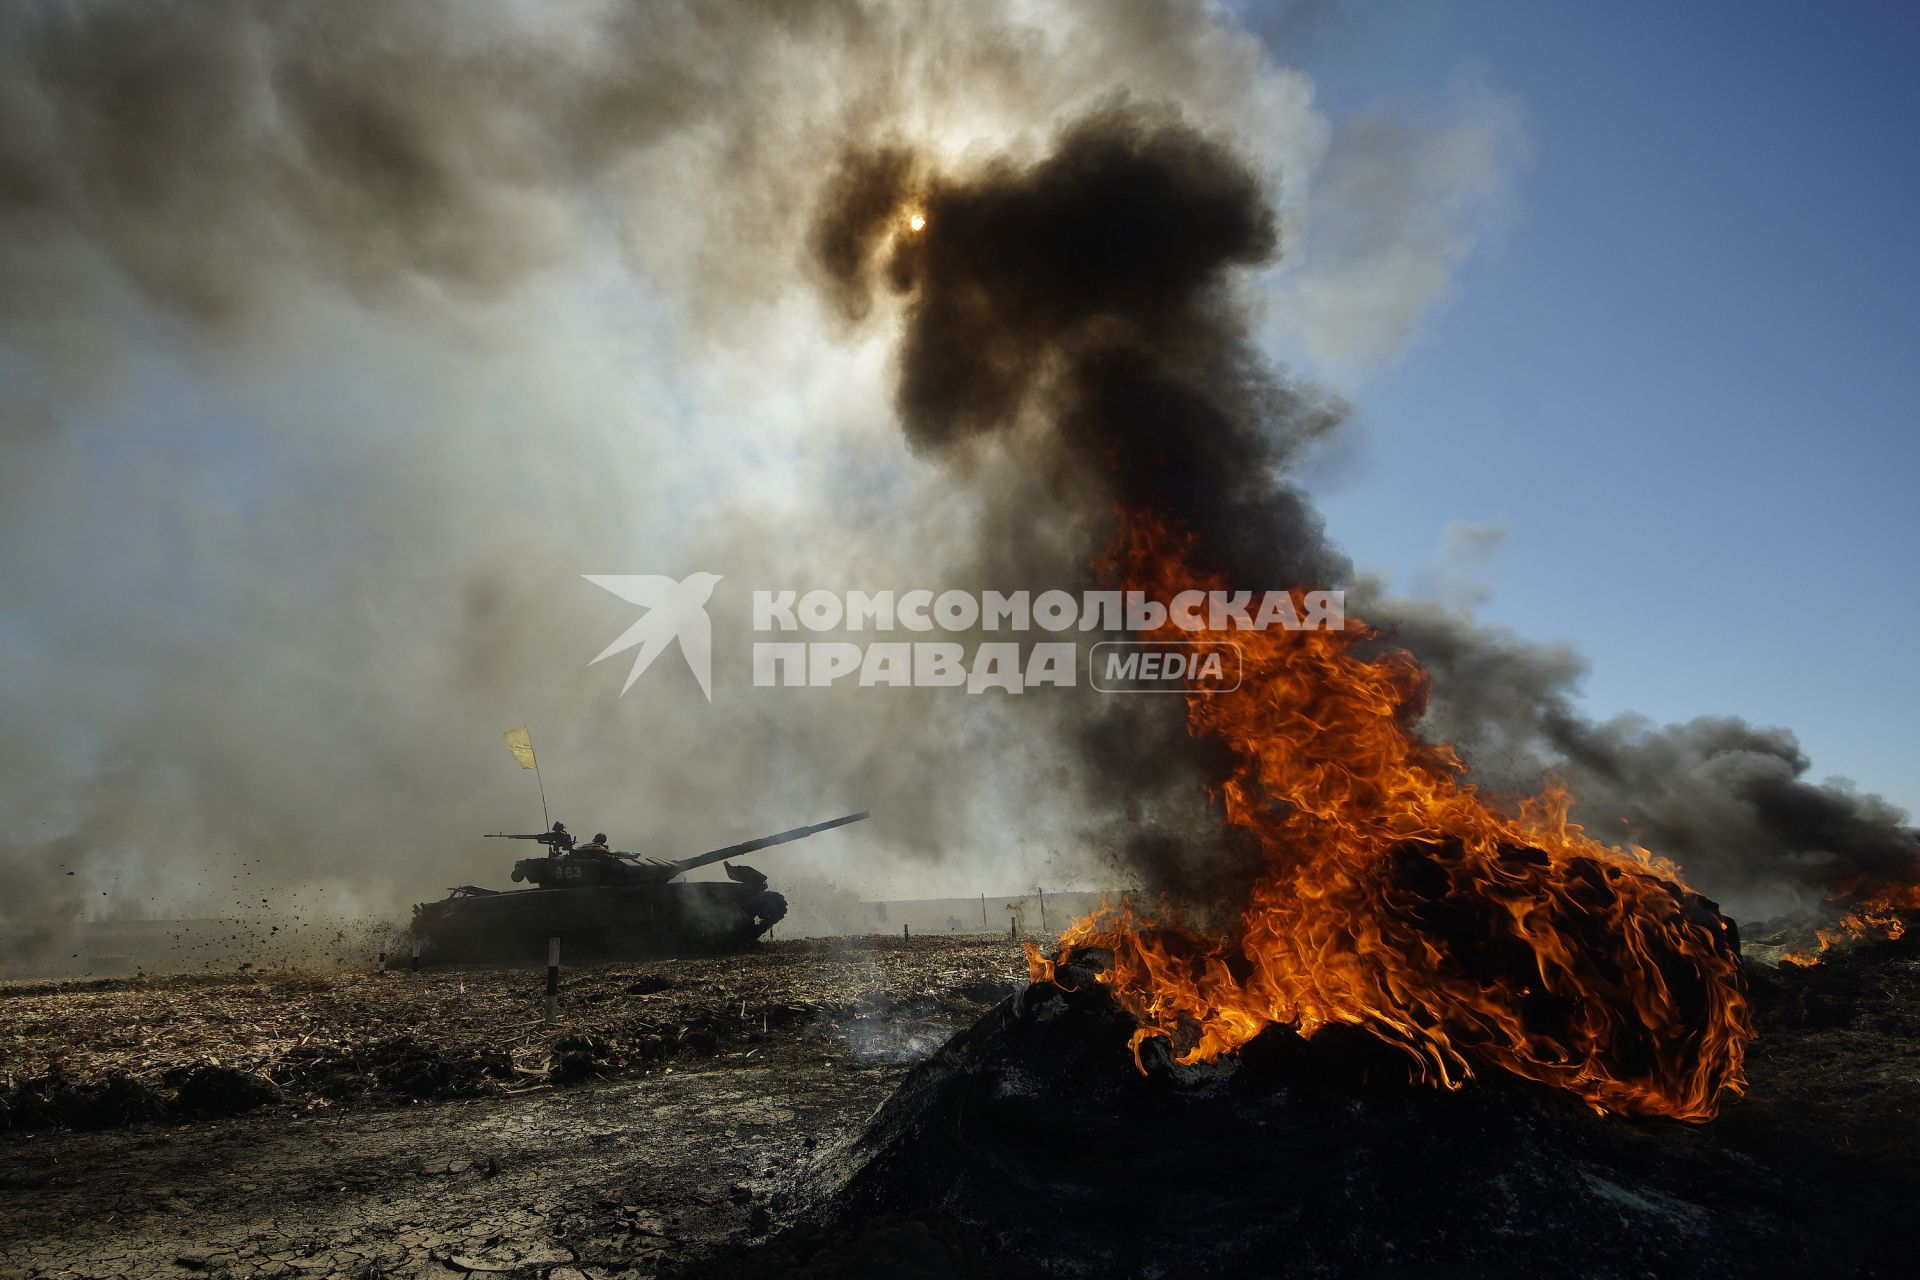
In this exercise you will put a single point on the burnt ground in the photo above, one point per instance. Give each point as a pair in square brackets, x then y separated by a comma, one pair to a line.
[367, 1126]
[1029, 1146]
[443, 1132]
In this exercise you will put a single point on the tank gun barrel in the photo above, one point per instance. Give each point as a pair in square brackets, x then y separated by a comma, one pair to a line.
[749, 846]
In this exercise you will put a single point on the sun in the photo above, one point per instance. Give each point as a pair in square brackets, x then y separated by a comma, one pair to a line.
[916, 221]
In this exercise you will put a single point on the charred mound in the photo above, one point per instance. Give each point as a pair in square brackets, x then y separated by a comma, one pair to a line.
[1030, 1144]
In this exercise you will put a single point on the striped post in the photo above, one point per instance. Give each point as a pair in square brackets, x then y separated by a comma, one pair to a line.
[413, 967]
[383, 958]
[553, 975]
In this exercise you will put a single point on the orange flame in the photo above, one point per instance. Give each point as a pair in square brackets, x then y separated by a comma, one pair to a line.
[1392, 896]
[1882, 911]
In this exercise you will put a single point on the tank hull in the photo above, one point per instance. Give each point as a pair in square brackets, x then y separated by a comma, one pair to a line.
[627, 922]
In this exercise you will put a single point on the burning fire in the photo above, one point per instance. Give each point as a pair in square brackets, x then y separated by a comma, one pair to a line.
[1392, 896]
[1882, 911]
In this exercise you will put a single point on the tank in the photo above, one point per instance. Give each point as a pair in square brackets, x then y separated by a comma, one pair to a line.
[607, 904]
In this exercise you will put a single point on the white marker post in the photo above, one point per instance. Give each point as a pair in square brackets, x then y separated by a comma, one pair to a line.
[553, 975]
[413, 969]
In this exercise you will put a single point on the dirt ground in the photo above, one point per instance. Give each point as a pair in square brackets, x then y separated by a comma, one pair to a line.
[433, 1127]
[363, 1126]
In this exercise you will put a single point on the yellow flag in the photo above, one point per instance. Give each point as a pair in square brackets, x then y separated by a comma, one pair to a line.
[521, 744]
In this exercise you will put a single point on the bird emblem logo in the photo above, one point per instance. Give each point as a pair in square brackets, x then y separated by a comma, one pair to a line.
[674, 611]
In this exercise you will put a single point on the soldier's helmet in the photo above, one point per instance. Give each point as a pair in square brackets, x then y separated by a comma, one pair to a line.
[559, 826]
[600, 838]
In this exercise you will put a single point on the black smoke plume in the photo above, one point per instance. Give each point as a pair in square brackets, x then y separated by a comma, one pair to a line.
[1083, 304]
[1081, 308]
[1730, 802]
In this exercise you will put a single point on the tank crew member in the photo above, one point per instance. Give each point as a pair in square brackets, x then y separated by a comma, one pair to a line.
[596, 845]
[558, 841]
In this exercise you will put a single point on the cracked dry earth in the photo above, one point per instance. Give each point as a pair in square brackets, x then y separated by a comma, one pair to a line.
[637, 1169]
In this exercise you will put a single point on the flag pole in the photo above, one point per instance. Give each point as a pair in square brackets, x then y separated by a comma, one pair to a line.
[544, 815]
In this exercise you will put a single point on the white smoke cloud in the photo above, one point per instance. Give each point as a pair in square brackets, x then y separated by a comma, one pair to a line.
[1398, 207]
[335, 345]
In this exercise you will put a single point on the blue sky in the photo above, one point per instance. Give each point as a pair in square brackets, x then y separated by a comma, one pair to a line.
[1683, 376]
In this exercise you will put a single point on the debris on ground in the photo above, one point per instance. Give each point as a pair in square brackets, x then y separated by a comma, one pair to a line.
[106, 1053]
[706, 1164]
[437, 1128]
